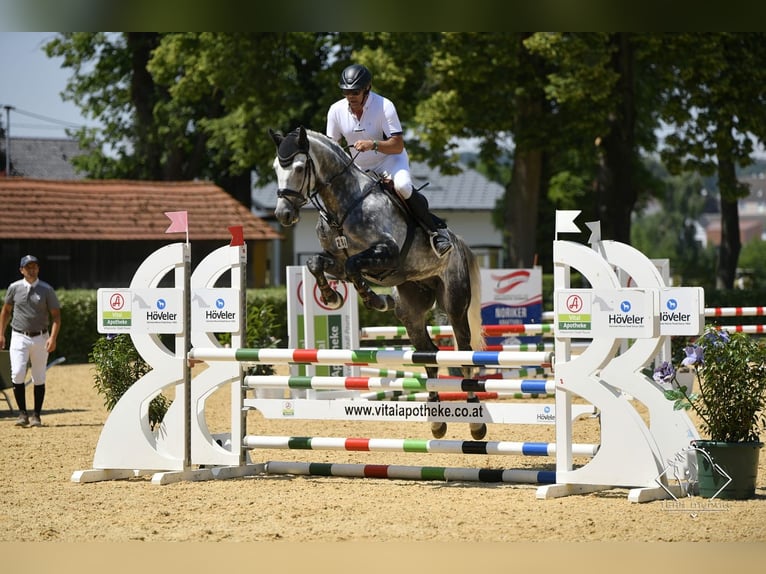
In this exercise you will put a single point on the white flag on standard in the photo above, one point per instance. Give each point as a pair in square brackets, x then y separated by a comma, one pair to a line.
[565, 221]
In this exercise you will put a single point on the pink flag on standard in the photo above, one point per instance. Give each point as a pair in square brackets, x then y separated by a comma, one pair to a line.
[178, 222]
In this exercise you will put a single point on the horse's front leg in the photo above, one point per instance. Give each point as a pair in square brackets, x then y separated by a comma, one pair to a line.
[318, 265]
[379, 257]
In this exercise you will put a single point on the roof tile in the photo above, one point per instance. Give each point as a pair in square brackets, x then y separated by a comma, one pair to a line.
[120, 210]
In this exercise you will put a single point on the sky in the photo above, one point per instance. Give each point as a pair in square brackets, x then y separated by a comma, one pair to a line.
[31, 82]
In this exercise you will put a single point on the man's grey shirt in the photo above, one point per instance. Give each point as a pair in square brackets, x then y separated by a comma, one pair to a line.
[31, 305]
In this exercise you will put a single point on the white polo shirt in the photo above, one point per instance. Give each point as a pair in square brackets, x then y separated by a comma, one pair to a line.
[379, 121]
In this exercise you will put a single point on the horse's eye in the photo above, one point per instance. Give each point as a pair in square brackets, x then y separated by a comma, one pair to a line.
[299, 168]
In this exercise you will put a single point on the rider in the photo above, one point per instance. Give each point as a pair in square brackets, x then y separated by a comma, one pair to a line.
[369, 123]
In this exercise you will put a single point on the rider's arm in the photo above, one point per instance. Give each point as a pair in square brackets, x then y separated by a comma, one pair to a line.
[393, 145]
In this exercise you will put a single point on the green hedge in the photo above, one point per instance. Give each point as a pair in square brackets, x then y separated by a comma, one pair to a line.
[78, 325]
[79, 332]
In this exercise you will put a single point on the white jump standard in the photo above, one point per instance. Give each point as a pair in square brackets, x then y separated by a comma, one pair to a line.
[607, 374]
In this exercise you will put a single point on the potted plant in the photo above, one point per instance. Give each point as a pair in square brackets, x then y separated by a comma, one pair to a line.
[731, 404]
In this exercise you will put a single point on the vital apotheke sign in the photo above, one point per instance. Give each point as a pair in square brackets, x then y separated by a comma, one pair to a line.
[616, 313]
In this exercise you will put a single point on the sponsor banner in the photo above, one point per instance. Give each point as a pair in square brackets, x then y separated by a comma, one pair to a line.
[114, 311]
[330, 328]
[312, 325]
[612, 313]
[682, 311]
[447, 411]
[512, 297]
[215, 310]
[157, 310]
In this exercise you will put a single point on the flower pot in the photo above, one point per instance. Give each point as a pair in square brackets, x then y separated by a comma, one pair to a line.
[738, 459]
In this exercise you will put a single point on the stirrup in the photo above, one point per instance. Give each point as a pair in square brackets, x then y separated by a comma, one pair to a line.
[443, 247]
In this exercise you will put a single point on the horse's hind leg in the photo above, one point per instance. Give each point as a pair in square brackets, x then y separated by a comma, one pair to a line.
[412, 305]
[478, 430]
[458, 317]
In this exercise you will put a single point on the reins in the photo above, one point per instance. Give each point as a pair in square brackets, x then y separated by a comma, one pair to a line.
[332, 220]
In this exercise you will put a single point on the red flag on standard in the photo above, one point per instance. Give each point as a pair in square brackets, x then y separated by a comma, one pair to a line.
[178, 222]
[237, 236]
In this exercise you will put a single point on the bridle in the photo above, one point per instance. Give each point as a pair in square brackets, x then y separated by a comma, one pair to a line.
[297, 199]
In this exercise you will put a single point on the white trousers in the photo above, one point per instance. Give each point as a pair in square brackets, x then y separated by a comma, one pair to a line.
[397, 167]
[24, 350]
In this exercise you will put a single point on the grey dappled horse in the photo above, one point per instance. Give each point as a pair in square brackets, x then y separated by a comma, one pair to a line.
[368, 237]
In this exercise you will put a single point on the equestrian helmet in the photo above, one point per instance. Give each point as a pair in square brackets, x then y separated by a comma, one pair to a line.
[355, 77]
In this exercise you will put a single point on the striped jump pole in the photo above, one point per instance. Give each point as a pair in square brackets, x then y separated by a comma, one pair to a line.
[439, 473]
[749, 329]
[735, 311]
[371, 356]
[738, 312]
[437, 331]
[526, 386]
[434, 446]
[392, 373]
[577, 348]
[426, 396]
[448, 396]
[521, 372]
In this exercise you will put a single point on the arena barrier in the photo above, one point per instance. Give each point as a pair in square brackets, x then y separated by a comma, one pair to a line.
[631, 454]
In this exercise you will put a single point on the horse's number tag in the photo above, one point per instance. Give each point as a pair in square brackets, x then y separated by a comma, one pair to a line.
[341, 242]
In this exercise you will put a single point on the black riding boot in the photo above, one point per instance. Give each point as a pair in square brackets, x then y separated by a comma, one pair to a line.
[440, 241]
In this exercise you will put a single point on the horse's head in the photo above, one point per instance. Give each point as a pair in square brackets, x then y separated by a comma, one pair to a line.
[294, 169]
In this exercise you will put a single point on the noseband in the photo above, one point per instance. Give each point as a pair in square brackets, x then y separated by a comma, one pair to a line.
[297, 198]
[289, 148]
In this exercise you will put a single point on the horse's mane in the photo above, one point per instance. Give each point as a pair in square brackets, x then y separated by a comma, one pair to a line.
[340, 154]
[327, 142]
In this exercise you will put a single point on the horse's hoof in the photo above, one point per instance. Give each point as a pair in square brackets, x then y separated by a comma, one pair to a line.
[377, 302]
[333, 303]
[478, 431]
[438, 430]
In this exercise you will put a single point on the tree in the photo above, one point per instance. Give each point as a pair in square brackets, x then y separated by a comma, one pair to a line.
[488, 86]
[751, 259]
[667, 229]
[569, 109]
[190, 105]
[604, 99]
[717, 110]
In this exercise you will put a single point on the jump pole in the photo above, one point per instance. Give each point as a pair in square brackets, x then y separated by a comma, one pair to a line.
[436, 473]
[373, 357]
[439, 446]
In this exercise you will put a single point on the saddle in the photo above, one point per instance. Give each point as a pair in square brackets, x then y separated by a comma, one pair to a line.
[387, 185]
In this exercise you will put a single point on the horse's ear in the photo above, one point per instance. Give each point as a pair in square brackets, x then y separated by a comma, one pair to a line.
[276, 136]
[303, 139]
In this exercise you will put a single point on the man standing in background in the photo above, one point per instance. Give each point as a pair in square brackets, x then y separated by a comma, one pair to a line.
[35, 326]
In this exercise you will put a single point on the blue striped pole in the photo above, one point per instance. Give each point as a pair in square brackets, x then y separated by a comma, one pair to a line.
[408, 396]
[526, 386]
[434, 446]
[372, 356]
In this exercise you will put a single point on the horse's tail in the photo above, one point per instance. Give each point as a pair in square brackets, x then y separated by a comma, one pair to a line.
[474, 308]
